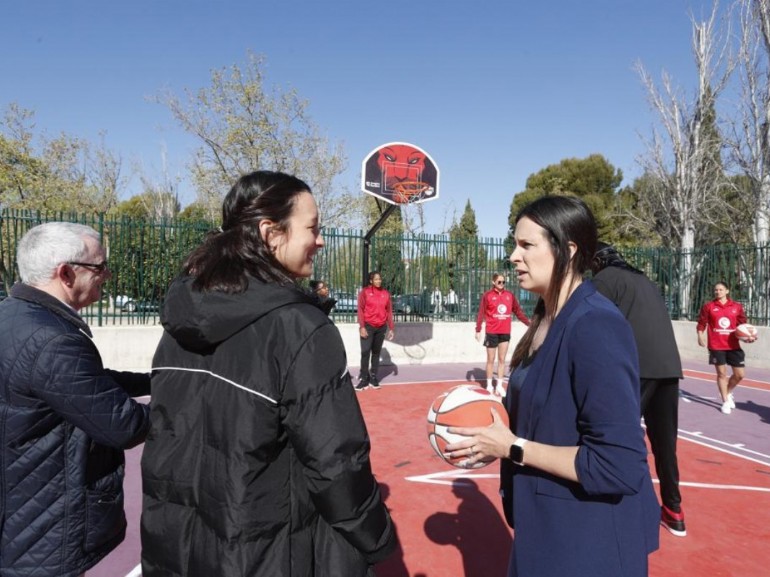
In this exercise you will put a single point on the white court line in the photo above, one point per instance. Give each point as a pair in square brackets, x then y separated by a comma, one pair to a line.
[721, 487]
[449, 477]
[728, 448]
[712, 379]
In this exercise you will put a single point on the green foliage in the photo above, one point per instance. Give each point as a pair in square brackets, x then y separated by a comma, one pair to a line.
[243, 125]
[149, 206]
[60, 174]
[593, 179]
[196, 212]
[468, 262]
[386, 255]
[465, 234]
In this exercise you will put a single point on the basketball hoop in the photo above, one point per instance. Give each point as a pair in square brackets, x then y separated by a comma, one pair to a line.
[400, 173]
[407, 191]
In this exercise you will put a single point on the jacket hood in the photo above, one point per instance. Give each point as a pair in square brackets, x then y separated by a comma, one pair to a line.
[199, 320]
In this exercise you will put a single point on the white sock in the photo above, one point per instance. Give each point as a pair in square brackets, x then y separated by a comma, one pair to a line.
[489, 384]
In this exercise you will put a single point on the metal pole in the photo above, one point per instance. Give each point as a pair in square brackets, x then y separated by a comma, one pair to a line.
[368, 241]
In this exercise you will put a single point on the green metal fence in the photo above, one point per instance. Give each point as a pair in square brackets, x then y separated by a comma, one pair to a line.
[145, 256]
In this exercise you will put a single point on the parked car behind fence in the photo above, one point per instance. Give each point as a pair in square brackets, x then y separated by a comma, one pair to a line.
[141, 306]
[412, 303]
[346, 303]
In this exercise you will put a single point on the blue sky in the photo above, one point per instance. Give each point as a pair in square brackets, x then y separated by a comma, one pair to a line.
[493, 90]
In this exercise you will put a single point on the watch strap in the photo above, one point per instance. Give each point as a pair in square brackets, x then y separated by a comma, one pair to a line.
[517, 451]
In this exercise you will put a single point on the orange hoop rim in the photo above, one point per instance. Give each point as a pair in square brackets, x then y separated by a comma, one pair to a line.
[408, 190]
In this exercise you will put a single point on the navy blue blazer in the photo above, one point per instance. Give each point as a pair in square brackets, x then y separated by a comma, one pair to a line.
[582, 389]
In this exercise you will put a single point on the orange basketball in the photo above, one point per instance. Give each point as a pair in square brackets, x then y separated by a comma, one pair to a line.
[745, 331]
[467, 405]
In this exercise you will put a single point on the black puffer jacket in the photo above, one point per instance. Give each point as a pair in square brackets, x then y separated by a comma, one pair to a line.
[257, 461]
[64, 420]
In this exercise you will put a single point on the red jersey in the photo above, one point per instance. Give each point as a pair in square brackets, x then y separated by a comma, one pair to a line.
[374, 307]
[495, 309]
[721, 321]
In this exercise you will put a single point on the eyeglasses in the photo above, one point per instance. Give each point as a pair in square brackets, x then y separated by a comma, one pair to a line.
[499, 282]
[98, 267]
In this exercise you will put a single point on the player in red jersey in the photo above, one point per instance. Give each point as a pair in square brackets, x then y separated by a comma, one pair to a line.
[495, 310]
[717, 320]
[375, 322]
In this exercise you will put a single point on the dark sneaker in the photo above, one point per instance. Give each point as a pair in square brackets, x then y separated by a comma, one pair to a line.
[363, 383]
[375, 383]
[672, 521]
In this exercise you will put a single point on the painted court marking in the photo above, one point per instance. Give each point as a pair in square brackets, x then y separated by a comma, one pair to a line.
[696, 437]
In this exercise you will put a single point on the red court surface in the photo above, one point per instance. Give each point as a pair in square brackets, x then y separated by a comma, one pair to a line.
[450, 521]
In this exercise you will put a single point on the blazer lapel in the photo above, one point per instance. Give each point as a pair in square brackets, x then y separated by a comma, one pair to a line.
[540, 378]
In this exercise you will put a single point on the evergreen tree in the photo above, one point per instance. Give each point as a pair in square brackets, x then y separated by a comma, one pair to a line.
[593, 179]
[386, 254]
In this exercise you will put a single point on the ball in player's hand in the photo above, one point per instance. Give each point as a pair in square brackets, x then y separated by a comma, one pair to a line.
[466, 405]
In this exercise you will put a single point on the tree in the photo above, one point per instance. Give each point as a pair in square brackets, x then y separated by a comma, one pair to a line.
[467, 259]
[683, 164]
[196, 212]
[151, 205]
[59, 174]
[593, 179]
[387, 256]
[749, 141]
[749, 144]
[244, 127]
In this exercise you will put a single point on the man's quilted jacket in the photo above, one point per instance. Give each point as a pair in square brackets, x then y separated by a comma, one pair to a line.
[64, 421]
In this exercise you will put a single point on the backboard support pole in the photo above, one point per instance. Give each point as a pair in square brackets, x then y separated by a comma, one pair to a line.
[368, 241]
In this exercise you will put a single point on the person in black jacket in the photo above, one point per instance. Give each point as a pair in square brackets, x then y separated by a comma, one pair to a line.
[660, 369]
[257, 460]
[321, 290]
[64, 418]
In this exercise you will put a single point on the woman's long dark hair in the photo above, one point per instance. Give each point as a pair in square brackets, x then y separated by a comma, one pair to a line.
[565, 219]
[227, 257]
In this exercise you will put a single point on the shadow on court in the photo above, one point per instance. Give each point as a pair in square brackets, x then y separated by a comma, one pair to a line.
[762, 411]
[694, 398]
[476, 374]
[393, 566]
[477, 526]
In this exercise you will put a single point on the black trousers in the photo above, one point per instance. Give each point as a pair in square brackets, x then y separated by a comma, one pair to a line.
[371, 346]
[660, 408]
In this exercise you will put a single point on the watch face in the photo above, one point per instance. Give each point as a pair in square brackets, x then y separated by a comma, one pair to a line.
[516, 454]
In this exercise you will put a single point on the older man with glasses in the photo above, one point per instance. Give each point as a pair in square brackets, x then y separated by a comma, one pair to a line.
[64, 419]
[495, 309]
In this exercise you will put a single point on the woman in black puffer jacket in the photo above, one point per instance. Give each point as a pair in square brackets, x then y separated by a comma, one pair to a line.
[257, 461]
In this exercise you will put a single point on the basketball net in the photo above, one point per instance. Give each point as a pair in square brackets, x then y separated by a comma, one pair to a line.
[407, 191]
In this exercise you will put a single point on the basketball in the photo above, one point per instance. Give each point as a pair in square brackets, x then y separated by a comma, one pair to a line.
[467, 405]
[746, 331]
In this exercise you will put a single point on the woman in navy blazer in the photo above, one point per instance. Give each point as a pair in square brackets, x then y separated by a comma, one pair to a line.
[575, 482]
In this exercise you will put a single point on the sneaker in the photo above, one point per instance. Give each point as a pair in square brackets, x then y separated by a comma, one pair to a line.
[363, 382]
[731, 400]
[673, 522]
[375, 383]
[726, 408]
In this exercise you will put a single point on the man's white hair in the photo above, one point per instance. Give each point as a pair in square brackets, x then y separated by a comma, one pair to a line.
[48, 245]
